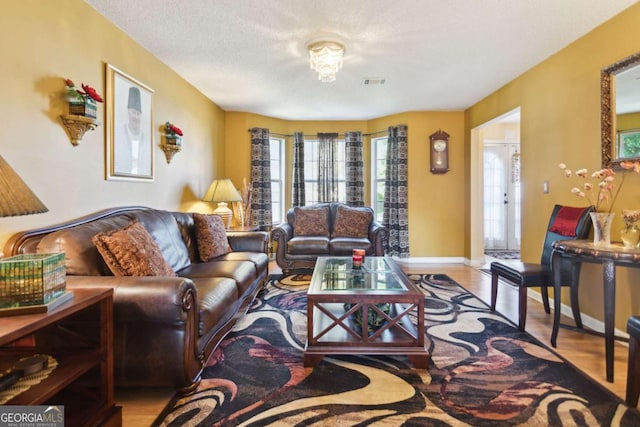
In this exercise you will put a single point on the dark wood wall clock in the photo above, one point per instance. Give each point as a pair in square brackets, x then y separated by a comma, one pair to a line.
[439, 143]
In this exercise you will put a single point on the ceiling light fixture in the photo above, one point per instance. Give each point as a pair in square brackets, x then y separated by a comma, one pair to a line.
[325, 57]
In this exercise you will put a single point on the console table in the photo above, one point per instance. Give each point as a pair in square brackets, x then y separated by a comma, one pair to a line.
[577, 252]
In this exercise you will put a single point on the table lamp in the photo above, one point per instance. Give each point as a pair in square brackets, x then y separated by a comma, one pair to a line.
[222, 191]
[16, 198]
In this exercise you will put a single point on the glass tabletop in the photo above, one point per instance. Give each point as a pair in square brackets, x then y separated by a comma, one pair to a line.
[375, 274]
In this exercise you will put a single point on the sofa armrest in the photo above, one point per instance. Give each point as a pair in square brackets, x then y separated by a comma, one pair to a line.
[156, 321]
[282, 234]
[378, 235]
[165, 300]
[248, 241]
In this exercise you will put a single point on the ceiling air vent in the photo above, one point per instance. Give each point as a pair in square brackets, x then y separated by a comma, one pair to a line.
[373, 81]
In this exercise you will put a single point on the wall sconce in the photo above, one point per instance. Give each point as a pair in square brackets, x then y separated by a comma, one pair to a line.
[172, 141]
[171, 148]
[77, 126]
[82, 110]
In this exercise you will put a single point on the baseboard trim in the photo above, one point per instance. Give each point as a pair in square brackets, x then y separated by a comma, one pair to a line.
[587, 321]
[475, 263]
[417, 261]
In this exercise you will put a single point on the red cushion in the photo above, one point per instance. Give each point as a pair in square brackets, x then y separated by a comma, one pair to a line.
[566, 221]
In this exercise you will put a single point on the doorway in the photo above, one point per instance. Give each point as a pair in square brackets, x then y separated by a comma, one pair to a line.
[501, 132]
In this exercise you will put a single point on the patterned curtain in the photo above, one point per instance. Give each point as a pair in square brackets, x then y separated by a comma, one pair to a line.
[354, 168]
[261, 179]
[396, 193]
[327, 176]
[297, 190]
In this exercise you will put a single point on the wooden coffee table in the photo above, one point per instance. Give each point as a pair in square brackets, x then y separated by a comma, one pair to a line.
[364, 311]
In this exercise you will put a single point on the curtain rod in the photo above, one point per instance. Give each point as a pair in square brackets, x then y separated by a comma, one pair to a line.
[315, 135]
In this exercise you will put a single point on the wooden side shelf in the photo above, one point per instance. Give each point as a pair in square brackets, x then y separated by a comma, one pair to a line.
[79, 335]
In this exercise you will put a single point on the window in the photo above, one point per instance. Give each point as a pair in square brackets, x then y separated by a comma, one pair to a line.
[311, 171]
[276, 148]
[378, 174]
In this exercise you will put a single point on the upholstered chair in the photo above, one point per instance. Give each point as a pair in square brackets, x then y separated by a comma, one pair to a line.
[633, 367]
[566, 223]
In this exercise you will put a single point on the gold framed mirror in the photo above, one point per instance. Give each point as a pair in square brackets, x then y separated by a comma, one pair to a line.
[620, 112]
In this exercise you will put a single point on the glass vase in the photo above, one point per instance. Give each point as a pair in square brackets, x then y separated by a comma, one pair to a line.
[602, 227]
[630, 236]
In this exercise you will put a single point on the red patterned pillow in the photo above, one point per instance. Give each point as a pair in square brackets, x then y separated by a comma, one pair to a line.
[211, 236]
[131, 251]
[566, 221]
[311, 221]
[352, 222]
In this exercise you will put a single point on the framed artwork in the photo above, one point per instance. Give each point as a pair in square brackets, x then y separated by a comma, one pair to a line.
[129, 129]
[628, 144]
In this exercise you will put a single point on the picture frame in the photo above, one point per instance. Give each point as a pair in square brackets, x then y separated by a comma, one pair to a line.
[129, 146]
[628, 144]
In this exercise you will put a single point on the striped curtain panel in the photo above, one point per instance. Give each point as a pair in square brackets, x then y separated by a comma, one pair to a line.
[297, 190]
[354, 169]
[327, 176]
[261, 214]
[396, 193]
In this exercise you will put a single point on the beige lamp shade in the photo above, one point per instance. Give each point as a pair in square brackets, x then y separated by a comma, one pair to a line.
[16, 198]
[222, 191]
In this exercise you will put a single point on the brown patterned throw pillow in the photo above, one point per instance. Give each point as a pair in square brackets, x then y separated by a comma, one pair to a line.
[211, 236]
[351, 222]
[311, 221]
[131, 251]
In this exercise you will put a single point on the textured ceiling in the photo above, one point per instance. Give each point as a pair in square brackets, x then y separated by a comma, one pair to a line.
[249, 55]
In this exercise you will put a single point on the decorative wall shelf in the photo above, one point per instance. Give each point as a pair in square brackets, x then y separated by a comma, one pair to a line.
[170, 150]
[78, 125]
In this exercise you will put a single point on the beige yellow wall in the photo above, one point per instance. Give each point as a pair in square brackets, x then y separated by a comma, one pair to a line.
[628, 121]
[45, 41]
[560, 110]
[436, 217]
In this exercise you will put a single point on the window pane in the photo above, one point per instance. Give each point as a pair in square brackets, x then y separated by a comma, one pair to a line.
[275, 170]
[311, 170]
[276, 152]
[274, 148]
[378, 173]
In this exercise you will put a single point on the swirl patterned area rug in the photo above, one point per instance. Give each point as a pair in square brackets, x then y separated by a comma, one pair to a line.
[483, 372]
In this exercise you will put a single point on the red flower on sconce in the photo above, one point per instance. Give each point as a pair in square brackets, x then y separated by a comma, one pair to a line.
[84, 94]
[172, 130]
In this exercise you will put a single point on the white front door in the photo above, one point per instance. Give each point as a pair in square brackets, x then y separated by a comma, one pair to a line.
[501, 196]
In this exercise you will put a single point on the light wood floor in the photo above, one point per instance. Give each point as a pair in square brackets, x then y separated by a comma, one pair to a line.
[586, 352]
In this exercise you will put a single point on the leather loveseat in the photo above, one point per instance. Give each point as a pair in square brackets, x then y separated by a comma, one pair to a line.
[165, 327]
[326, 229]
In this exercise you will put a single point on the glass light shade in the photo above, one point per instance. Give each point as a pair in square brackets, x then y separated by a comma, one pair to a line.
[325, 57]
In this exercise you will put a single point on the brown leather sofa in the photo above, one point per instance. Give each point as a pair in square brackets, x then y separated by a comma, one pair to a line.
[326, 229]
[165, 328]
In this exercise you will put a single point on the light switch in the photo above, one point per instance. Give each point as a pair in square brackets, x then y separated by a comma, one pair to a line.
[545, 187]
